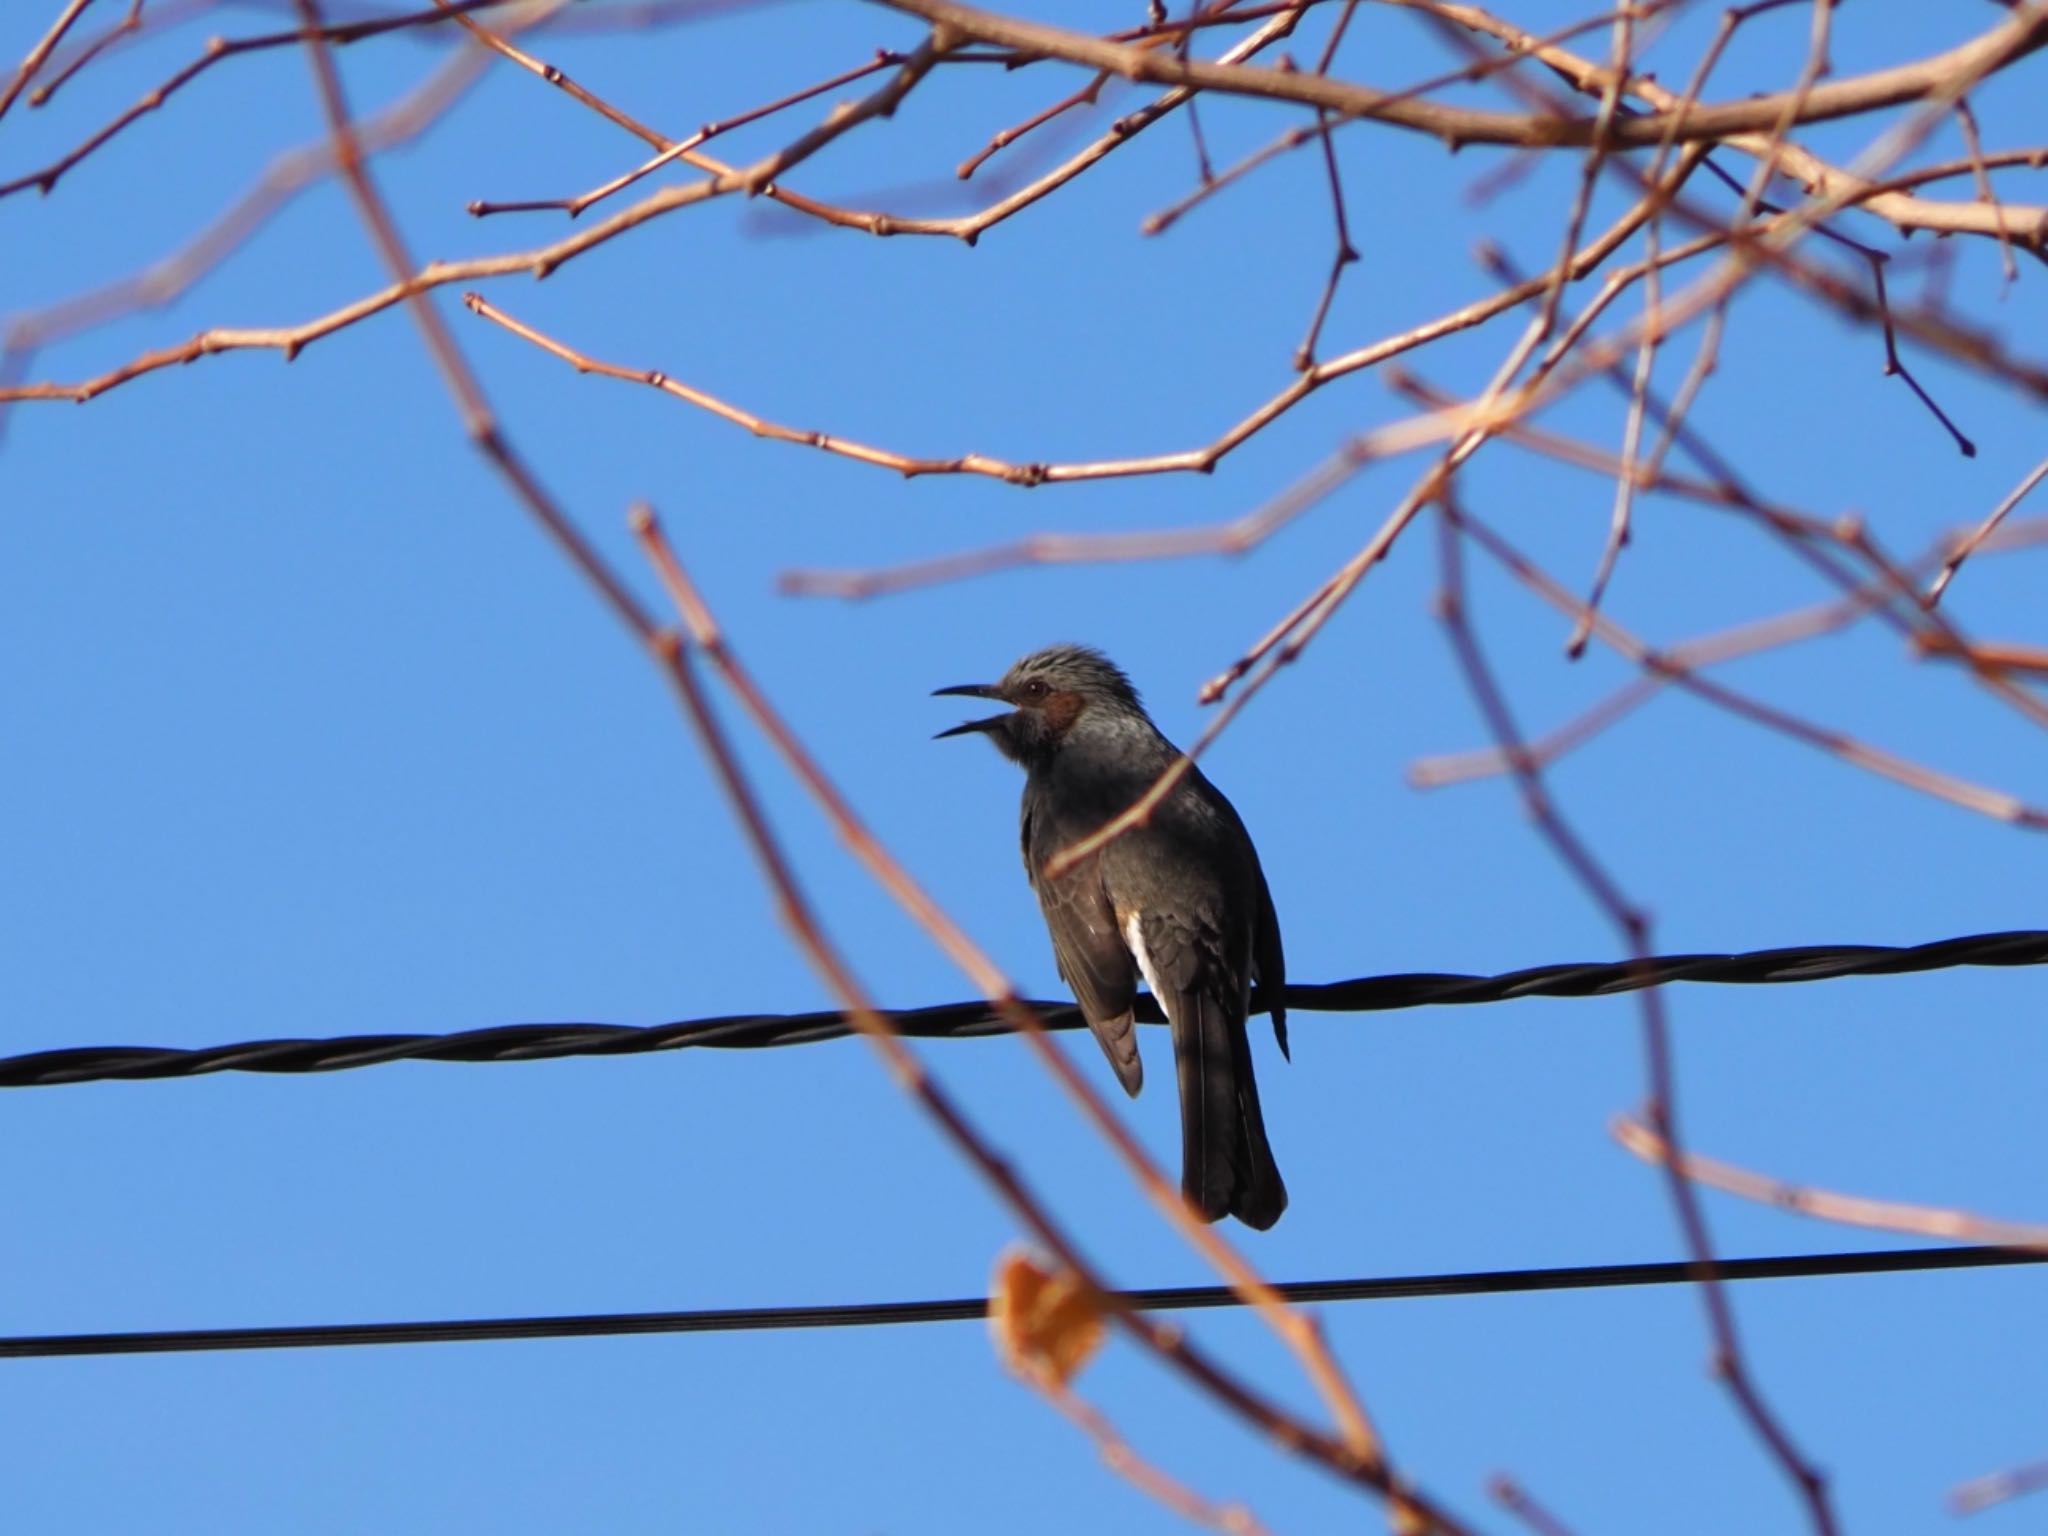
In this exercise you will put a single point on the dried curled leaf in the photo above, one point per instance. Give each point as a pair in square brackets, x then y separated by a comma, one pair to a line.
[1046, 1322]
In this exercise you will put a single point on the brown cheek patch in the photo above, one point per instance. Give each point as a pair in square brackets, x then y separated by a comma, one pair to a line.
[1061, 710]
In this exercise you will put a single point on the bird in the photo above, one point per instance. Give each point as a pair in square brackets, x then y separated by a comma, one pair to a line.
[1179, 899]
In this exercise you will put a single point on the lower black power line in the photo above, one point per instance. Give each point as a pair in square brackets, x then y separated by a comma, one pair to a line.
[1365, 994]
[872, 1314]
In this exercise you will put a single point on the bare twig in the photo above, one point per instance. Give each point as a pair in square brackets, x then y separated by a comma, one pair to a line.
[1661, 1108]
[1826, 1205]
[40, 53]
[53, 79]
[1986, 654]
[1983, 531]
[1982, 1493]
[1023, 473]
[1887, 202]
[1686, 657]
[290, 173]
[1086, 96]
[1974, 142]
[218, 50]
[1346, 253]
[1901, 84]
[670, 150]
[1517, 1501]
[1177, 1497]
[1818, 543]
[1996, 804]
[539, 261]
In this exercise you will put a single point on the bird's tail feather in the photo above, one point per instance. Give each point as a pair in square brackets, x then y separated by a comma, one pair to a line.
[1227, 1166]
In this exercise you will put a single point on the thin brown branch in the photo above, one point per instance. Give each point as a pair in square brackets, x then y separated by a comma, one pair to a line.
[1025, 473]
[1717, 292]
[1205, 171]
[52, 80]
[2001, 46]
[1888, 201]
[1346, 253]
[1827, 1205]
[1117, 1453]
[1467, 74]
[1159, 222]
[964, 464]
[39, 54]
[290, 173]
[1498, 410]
[1231, 538]
[477, 419]
[1985, 654]
[1686, 657]
[1730, 1363]
[1810, 72]
[1086, 96]
[1517, 1501]
[1544, 752]
[967, 227]
[1816, 542]
[538, 262]
[1653, 332]
[1974, 143]
[1398, 438]
[1621, 520]
[1656, 194]
[1231, 1518]
[1982, 1493]
[1280, 24]
[2022, 33]
[669, 150]
[216, 51]
[1977, 348]
[383, 230]
[1983, 531]
[1995, 804]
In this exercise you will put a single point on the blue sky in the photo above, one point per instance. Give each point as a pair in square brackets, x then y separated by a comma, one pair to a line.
[309, 732]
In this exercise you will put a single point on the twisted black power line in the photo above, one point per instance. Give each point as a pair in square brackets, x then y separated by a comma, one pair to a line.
[869, 1314]
[535, 1042]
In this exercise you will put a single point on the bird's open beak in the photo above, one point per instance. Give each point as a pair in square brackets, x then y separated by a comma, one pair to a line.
[970, 691]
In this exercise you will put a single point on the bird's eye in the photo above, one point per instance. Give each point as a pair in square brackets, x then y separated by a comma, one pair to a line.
[1035, 689]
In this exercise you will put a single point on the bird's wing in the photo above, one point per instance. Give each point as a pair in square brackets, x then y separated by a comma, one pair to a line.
[1091, 955]
[1269, 960]
[1094, 962]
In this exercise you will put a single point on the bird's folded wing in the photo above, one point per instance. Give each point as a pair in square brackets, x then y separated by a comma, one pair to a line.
[1269, 960]
[1094, 962]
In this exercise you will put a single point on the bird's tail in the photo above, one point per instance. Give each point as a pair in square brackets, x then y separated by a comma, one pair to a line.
[1227, 1167]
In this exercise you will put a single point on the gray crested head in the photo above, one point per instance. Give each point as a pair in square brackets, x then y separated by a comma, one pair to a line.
[1051, 692]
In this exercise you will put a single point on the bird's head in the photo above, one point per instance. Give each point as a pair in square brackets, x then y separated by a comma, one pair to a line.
[1049, 692]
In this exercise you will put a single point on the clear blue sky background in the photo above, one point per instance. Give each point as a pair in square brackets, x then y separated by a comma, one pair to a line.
[308, 732]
